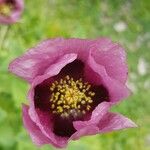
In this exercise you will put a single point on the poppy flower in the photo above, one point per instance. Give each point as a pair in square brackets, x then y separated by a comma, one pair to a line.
[10, 11]
[74, 82]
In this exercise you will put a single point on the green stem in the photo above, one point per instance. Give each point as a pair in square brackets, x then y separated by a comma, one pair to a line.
[3, 35]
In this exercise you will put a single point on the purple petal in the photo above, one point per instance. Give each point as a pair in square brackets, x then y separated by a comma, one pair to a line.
[96, 116]
[102, 119]
[105, 53]
[36, 135]
[45, 123]
[112, 121]
[112, 56]
[88, 130]
[117, 90]
[35, 61]
[43, 120]
[54, 69]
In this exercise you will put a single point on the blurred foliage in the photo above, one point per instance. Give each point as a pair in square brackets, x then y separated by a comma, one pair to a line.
[44, 19]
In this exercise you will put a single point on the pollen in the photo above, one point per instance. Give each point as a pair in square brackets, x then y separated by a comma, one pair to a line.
[71, 98]
[5, 9]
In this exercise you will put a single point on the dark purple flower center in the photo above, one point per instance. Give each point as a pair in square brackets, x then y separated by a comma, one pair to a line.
[68, 97]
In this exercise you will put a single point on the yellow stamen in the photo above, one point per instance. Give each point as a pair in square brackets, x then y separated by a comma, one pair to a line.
[5, 9]
[70, 97]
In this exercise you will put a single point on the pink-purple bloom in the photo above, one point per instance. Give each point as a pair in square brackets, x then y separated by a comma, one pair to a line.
[10, 11]
[74, 82]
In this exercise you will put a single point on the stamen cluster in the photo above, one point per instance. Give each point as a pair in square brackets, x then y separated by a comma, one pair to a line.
[5, 9]
[70, 97]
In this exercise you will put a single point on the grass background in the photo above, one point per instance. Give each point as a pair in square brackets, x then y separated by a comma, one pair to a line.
[125, 21]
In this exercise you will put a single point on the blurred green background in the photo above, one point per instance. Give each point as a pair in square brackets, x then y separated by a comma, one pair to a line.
[125, 21]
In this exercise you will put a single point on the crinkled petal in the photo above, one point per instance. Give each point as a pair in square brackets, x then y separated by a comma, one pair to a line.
[108, 123]
[112, 121]
[35, 132]
[112, 56]
[35, 61]
[101, 121]
[117, 90]
[36, 135]
[96, 116]
[88, 130]
[45, 123]
[39, 117]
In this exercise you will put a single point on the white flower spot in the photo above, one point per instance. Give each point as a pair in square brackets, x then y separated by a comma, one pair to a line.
[142, 67]
[120, 26]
